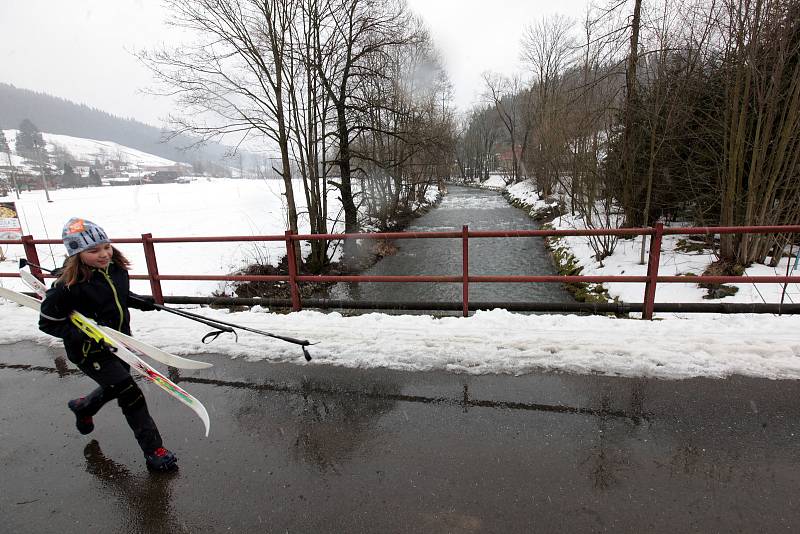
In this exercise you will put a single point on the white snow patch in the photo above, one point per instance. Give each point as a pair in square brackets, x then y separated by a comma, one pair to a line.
[494, 341]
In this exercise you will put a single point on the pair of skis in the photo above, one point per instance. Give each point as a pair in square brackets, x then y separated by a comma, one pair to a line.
[126, 348]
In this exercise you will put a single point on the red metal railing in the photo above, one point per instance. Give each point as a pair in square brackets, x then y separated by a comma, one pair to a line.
[651, 279]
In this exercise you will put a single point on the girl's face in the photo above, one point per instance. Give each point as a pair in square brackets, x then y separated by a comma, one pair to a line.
[99, 256]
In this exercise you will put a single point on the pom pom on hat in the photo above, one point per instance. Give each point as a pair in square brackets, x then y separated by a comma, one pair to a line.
[79, 235]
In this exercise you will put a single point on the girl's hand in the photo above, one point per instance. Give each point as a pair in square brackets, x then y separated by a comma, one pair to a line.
[143, 302]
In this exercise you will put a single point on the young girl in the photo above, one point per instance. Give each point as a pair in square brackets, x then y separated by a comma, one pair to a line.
[95, 283]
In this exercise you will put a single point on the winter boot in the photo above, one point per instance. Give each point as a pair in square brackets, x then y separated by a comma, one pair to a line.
[83, 423]
[161, 460]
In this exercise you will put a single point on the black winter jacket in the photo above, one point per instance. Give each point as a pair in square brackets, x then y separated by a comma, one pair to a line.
[104, 298]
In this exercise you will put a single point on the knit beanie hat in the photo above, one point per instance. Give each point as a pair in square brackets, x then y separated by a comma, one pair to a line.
[79, 235]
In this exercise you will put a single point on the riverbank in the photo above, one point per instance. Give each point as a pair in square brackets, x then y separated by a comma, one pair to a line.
[680, 256]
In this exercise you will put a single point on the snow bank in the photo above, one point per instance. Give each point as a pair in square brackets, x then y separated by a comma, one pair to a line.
[675, 261]
[488, 342]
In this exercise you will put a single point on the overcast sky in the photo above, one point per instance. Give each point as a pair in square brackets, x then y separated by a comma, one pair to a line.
[81, 49]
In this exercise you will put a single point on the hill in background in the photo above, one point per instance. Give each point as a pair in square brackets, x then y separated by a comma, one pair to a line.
[59, 116]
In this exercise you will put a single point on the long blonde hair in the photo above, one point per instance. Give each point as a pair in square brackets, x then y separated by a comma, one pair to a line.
[75, 270]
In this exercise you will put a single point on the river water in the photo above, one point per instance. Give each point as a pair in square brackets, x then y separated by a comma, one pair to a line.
[481, 210]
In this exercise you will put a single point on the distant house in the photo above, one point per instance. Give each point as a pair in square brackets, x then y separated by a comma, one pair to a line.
[163, 177]
[81, 167]
[117, 181]
[505, 159]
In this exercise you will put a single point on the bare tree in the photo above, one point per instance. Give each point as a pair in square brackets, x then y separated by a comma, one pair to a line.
[629, 141]
[477, 145]
[310, 116]
[351, 40]
[503, 93]
[548, 50]
[231, 81]
[591, 89]
[408, 146]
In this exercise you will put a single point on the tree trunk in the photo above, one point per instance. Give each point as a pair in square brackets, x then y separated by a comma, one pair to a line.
[345, 186]
[631, 104]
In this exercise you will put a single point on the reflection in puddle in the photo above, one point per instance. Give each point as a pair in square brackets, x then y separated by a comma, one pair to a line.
[327, 423]
[144, 501]
[332, 428]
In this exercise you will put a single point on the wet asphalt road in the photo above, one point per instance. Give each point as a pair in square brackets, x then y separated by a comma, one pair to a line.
[308, 448]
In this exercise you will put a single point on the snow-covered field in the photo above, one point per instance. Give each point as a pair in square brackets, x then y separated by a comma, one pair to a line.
[488, 342]
[205, 207]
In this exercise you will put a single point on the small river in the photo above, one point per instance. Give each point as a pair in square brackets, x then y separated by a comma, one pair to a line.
[480, 209]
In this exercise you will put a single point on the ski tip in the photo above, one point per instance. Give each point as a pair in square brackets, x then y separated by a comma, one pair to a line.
[184, 363]
[206, 420]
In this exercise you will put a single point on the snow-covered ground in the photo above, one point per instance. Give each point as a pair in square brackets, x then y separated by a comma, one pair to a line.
[495, 182]
[205, 207]
[488, 342]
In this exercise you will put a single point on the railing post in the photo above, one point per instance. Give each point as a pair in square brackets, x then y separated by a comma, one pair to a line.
[652, 272]
[292, 264]
[465, 269]
[152, 268]
[32, 256]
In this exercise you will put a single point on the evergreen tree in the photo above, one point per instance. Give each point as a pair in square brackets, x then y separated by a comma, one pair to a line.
[198, 168]
[94, 178]
[69, 177]
[29, 139]
[4, 143]
[12, 175]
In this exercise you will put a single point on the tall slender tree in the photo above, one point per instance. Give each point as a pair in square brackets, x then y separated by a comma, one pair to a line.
[4, 147]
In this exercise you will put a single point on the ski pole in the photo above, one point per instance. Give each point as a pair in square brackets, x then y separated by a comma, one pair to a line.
[24, 263]
[302, 342]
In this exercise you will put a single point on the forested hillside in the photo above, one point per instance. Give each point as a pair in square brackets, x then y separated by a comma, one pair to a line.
[60, 116]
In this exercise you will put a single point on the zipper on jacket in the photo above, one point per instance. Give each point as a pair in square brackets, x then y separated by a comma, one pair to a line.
[116, 297]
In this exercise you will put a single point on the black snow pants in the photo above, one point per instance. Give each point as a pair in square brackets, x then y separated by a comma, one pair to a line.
[115, 382]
